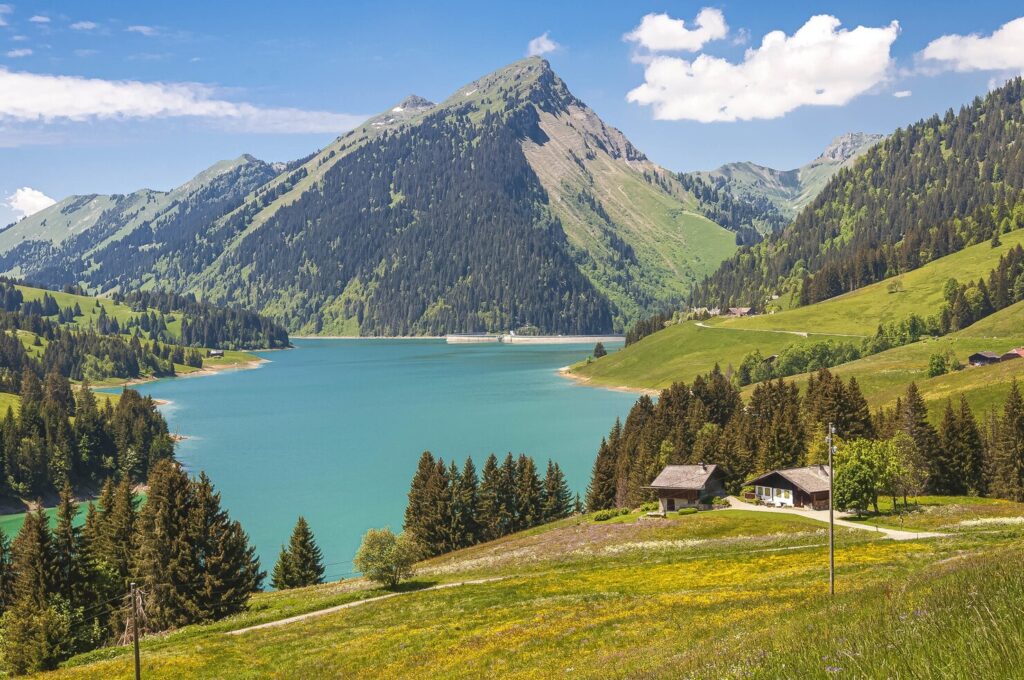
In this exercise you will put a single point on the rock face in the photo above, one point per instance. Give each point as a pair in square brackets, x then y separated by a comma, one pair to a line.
[848, 146]
[511, 203]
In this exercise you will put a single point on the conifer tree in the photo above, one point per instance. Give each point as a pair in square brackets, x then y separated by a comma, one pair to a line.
[230, 571]
[6, 573]
[528, 492]
[488, 512]
[455, 531]
[972, 446]
[1007, 469]
[601, 490]
[416, 511]
[468, 502]
[508, 505]
[167, 562]
[915, 423]
[947, 475]
[558, 500]
[33, 561]
[72, 577]
[301, 563]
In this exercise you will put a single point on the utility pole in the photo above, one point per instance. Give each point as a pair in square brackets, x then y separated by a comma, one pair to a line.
[831, 515]
[135, 631]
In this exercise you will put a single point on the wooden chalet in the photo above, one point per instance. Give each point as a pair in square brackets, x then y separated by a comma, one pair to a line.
[794, 487]
[1016, 353]
[683, 486]
[983, 358]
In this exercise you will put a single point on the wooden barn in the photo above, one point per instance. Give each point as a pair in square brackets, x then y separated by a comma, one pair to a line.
[683, 486]
[794, 487]
[983, 358]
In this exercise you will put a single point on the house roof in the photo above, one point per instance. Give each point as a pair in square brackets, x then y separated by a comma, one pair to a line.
[811, 479]
[683, 477]
[986, 354]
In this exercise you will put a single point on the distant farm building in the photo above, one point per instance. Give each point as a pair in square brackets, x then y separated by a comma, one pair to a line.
[1013, 354]
[794, 487]
[983, 358]
[683, 486]
[215, 353]
[741, 311]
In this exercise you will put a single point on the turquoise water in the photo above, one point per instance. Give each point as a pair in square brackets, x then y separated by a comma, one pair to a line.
[332, 430]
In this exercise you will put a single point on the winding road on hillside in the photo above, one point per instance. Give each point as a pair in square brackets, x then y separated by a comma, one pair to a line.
[822, 516]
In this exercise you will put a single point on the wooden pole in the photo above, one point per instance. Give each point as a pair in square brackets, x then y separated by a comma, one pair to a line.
[831, 516]
[135, 632]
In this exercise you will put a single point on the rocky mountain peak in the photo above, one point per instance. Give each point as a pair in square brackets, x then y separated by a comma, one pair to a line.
[845, 147]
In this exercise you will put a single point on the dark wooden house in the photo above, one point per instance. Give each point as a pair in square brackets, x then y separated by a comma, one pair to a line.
[794, 487]
[983, 358]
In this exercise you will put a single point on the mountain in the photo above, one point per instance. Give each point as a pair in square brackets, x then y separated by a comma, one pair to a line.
[791, 190]
[57, 244]
[927, 190]
[510, 204]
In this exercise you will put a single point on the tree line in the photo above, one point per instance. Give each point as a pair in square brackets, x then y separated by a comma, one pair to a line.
[451, 507]
[928, 190]
[64, 590]
[708, 422]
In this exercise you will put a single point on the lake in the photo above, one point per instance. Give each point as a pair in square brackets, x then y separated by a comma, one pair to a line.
[332, 430]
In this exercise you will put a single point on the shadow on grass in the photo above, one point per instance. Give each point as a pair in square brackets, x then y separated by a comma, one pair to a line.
[411, 586]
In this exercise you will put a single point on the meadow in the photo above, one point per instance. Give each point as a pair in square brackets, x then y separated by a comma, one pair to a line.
[687, 596]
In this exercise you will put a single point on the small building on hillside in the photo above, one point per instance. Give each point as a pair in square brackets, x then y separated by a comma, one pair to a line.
[983, 358]
[794, 487]
[741, 311]
[1016, 353]
[215, 353]
[683, 486]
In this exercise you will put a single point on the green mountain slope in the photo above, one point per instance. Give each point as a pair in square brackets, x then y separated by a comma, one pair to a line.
[791, 190]
[685, 350]
[509, 204]
[926, 191]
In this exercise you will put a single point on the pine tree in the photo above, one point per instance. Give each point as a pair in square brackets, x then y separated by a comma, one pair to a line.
[528, 493]
[915, 423]
[1007, 473]
[468, 502]
[72, 577]
[230, 570]
[282, 577]
[305, 562]
[6, 573]
[416, 510]
[558, 500]
[972, 461]
[167, 562]
[601, 490]
[488, 513]
[508, 505]
[947, 469]
[34, 562]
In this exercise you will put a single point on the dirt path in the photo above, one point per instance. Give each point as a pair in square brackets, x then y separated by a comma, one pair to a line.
[822, 516]
[357, 603]
[802, 334]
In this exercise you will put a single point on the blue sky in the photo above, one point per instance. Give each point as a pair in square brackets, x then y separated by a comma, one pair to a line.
[154, 92]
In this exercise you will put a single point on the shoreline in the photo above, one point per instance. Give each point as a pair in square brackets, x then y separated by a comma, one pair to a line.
[199, 372]
[565, 372]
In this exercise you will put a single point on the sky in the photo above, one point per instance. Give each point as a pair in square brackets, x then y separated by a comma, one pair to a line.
[110, 97]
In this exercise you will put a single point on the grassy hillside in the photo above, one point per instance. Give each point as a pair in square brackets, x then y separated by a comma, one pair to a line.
[688, 596]
[683, 351]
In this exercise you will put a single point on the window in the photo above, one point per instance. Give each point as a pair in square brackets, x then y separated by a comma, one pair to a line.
[785, 494]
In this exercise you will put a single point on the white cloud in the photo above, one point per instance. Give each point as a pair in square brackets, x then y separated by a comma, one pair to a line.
[4, 9]
[147, 31]
[1003, 50]
[27, 201]
[84, 25]
[542, 44]
[19, 38]
[662, 33]
[85, 52]
[901, 94]
[39, 19]
[30, 97]
[21, 52]
[819, 65]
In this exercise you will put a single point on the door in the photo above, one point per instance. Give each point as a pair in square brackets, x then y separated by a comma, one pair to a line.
[671, 504]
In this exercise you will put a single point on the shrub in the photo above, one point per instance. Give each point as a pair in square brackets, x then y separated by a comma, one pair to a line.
[602, 515]
[648, 507]
[624, 511]
[386, 558]
[720, 503]
[687, 511]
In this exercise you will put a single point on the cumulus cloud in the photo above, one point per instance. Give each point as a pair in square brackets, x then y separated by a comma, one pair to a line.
[662, 33]
[821, 64]
[147, 31]
[900, 94]
[27, 201]
[542, 44]
[4, 10]
[39, 19]
[30, 97]
[20, 52]
[1003, 50]
[83, 25]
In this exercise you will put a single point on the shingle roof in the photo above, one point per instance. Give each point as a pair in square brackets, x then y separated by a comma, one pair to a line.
[683, 477]
[986, 354]
[812, 479]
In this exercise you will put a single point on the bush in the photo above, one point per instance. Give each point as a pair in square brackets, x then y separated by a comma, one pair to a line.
[720, 503]
[603, 515]
[650, 507]
[687, 511]
[624, 511]
[386, 558]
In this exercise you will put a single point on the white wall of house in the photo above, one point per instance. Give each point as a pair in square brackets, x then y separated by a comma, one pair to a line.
[678, 503]
[772, 496]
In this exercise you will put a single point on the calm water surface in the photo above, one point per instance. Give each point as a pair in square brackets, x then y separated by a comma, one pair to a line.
[332, 430]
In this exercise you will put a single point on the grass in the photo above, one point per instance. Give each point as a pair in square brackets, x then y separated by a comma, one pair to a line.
[684, 351]
[693, 596]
